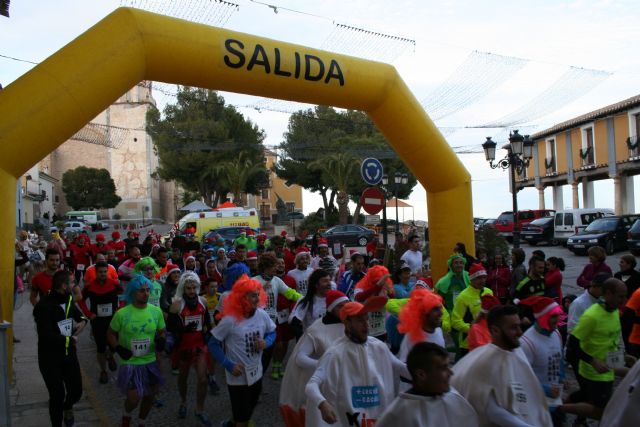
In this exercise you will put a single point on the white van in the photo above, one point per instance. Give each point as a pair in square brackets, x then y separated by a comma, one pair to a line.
[570, 221]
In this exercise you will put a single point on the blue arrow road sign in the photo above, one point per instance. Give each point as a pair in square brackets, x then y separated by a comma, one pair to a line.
[371, 171]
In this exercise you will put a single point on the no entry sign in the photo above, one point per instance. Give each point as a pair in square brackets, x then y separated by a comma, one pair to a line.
[372, 200]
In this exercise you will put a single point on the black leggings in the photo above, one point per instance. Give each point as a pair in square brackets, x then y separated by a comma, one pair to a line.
[244, 400]
[99, 326]
[64, 383]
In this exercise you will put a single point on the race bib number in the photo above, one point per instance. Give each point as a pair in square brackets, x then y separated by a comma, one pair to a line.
[104, 310]
[194, 319]
[80, 267]
[376, 323]
[154, 301]
[66, 327]
[252, 374]
[519, 394]
[365, 396]
[615, 359]
[283, 316]
[140, 346]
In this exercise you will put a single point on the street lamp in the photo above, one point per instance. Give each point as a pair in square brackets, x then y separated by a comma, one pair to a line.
[519, 154]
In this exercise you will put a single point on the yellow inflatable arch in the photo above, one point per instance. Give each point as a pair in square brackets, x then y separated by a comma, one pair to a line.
[47, 105]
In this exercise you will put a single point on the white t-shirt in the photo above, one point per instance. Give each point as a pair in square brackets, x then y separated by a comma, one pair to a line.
[240, 343]
[544, 354]
[413, 259]
[272, 288]
[407, 344]
[301, 277]
[306, 316]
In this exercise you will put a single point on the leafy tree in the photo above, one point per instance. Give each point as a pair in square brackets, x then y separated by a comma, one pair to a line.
[314, 136]
[196, 136]
[339, 169]
[89, 188]
[237, 174]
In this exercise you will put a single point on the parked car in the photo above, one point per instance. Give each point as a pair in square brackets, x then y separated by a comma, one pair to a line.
[227, 233]
[351, 235]
[504, 223]
[539, 230]
[610, 232]
[571, 221]
[76, 227]
[478, 222]
[633, 238]
[490, 223]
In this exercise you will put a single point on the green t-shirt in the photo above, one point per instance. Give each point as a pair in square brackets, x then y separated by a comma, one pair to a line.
[154, 293]
[136, 328]
[599, 333]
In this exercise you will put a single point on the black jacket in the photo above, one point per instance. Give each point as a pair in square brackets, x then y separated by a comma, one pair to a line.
[47, 313]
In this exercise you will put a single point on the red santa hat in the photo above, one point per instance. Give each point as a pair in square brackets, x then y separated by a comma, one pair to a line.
[283, 233]
[323, 243]
[334, 298]
[476, 270]
[250, 232]
[186, 258]
[261, 237]
[301, 254]
[487, 302]
[252, 255]
[115, 235]
[540, 305]
[100, 237]
[171, 268]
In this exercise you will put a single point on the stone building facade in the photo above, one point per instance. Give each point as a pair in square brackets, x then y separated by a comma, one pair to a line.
[117, 141]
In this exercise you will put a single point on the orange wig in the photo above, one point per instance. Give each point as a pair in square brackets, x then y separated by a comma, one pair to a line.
[373, 276]
[237, 304]
[421, 302]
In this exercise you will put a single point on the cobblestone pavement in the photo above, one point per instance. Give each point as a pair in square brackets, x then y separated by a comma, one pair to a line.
[101, 405]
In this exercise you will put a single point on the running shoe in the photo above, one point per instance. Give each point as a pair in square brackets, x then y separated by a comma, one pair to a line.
[104, 378]
[182, 411]
[68, 417]
[214, 388]
[204, 419]
[113, 366]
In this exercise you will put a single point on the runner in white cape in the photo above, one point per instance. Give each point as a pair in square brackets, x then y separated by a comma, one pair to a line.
[497, 380]
[430, 402]
[357, 378]
[623, 408]
[321, 335]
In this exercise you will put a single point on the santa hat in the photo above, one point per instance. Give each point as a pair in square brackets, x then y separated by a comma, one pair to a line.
[250, 232]
[424, 283]
[476, 270]
[487, 302]
[323, 243]
[334, 298]
[172, 268]
[261, 236]
[100, 237]
[540, 305]
[189, 257]
[351, 309]
[115, 235]
[252, 255]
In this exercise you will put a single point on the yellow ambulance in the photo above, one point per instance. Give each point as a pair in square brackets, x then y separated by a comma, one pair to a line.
[222, 217]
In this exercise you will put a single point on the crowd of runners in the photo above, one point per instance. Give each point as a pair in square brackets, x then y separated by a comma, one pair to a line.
[353, 344]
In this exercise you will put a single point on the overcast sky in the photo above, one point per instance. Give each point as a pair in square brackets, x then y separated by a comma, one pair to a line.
[551, 34]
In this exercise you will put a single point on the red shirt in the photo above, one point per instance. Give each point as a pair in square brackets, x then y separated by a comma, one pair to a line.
[193, 339]
[120, 246]
[553, 285]
[42, 283]
[289, 260]
[81, 255]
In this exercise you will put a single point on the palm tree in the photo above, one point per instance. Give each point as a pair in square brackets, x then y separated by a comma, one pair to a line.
[236, 174]
[339, 169]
